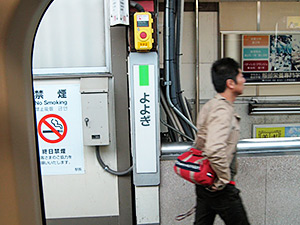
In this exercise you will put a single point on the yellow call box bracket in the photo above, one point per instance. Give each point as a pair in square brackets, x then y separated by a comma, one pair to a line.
[143, 31]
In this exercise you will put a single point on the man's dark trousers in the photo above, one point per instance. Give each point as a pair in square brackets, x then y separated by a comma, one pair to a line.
[226, 203]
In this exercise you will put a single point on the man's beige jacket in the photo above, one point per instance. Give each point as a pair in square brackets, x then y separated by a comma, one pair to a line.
[217, 136]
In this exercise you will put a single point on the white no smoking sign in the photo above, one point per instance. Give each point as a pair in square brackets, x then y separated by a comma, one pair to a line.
[58, 111]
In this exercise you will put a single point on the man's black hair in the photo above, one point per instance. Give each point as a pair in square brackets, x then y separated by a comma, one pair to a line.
[222, 70]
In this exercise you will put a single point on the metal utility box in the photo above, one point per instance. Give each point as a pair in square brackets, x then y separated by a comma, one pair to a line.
[94, 99]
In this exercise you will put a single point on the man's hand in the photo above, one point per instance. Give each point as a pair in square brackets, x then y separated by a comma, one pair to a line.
[212, 188]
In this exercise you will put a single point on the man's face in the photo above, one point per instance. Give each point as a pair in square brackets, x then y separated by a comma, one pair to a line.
[239, 86]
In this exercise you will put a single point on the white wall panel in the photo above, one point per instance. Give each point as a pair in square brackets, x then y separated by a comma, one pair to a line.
[91, 194]
[72, 34]
[208, 42]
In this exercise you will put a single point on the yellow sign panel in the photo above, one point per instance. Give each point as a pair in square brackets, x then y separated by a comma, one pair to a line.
[293, 22]
[270, 132]
[276, 130]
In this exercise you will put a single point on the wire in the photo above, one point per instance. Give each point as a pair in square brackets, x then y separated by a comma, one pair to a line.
[185, 215]
[137, 6]
[177, 131]
[106, 167]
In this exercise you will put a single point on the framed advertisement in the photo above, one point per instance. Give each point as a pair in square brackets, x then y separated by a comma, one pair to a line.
[276, 130]
[265, 57]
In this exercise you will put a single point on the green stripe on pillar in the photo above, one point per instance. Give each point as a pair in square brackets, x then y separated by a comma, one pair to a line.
[144, 75]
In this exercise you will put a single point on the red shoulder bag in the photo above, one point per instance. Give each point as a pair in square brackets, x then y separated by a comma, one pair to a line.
[194, 167]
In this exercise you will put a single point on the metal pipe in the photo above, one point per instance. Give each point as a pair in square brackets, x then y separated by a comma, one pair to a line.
[176, 110]
[170, 114]
[175, 130]
[268, 144]
[178, 45]
[258, 11]
[245, 146]
[167, 65]
[180, 34]
[175, 82]
[189, 116]
[279, 100]
[175, 148]
[277, 109]
[275, 112]
[197, 94]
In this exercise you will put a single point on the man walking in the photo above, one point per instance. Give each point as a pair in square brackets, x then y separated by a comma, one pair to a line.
[217, 136]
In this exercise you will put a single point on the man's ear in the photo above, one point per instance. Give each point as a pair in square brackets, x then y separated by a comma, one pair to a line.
[230, 83]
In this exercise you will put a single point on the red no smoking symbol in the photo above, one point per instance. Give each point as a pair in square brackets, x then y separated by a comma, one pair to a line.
[52, 128]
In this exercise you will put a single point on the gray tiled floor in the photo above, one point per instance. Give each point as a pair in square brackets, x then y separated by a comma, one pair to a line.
[270, 189]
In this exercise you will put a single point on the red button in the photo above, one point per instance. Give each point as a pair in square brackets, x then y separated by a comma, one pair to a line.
[143, 35]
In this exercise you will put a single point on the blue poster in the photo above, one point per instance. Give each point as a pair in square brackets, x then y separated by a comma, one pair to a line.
[256, 53]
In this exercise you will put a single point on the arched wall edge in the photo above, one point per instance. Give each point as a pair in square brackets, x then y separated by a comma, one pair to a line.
[18, 49]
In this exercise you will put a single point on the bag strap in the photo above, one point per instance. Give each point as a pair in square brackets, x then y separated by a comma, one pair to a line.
[201, 160]
[185, 215]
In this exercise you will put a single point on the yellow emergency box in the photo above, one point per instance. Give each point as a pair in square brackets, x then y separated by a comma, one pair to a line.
[143, 31]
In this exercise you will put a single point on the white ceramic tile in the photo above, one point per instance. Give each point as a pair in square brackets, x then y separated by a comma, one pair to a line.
[240, 16]
[279, 90]
[208, 36]
[207, 90]
[249, 91]
[188, 38]
[188, 80]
